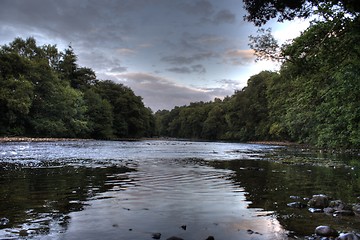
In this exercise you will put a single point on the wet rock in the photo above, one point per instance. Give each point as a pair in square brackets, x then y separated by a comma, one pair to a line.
[210, 238]
[343, 213]
[183, 227]
[356, 208]
[326, 231]
[339, 205]
[174, 238]
[156, 235]
[4, 221]
[348, 236]
[315, 210]
[319, 201]
[249, 231]
[329, 210]
[295, 197]
[296, 205]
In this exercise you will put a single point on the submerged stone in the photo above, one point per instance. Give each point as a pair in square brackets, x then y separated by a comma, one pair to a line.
[296, 205]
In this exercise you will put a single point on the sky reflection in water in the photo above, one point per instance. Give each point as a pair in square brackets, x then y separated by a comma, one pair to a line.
[129, 190]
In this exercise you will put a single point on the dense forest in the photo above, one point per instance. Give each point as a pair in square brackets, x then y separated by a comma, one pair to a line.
[44, 93]
[315, 96]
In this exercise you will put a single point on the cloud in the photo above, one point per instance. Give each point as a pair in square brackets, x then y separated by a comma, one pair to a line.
[118, 69]
[228, 84]
[239, 56]
[162, 93]
[176, 60]
[125, 51]
[224, 16]
[199, 8]
[198, 68]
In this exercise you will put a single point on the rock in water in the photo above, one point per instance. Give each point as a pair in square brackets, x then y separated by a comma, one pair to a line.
[4, 221]
[326, 231]
[343, 213]
[348, 236]
[319, 201]
[156, 235]
[356, 208]
[296, 205]
[174, 238]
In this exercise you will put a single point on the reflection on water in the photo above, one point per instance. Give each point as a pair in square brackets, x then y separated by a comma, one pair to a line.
[130, 190]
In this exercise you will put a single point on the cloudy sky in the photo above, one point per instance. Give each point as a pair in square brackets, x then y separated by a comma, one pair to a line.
[170, 52]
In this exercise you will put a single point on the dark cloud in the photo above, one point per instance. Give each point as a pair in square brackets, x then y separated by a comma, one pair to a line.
[118, 69]
[187, 59]
[161, 93]
[199, 8]
[224, 16]
[198, 68]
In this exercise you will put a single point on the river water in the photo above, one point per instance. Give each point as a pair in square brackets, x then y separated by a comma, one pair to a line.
[133, 189]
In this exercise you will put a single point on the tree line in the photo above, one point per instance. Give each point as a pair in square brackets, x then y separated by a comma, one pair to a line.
[44, 93]
[314, 98]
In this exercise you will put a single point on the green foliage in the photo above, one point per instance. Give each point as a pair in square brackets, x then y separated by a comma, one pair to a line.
[45, 93]
[261, 11]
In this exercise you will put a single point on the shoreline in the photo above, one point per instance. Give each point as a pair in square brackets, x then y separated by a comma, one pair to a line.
[38, 139]
[275, 143]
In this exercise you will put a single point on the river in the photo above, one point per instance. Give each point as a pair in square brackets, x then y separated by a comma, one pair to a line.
[135, 189]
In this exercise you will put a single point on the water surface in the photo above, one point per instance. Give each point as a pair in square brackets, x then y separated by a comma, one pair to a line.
[130, 190]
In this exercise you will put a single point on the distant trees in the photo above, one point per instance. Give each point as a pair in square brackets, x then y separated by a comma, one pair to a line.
[243, 116]
[45, 93]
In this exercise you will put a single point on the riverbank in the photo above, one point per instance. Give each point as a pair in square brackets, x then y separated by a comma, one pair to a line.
[37, 139]
[276, 143]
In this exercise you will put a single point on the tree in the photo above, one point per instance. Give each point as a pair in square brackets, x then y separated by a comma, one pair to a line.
[100, 115]
[261, 11]
[45, 93]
